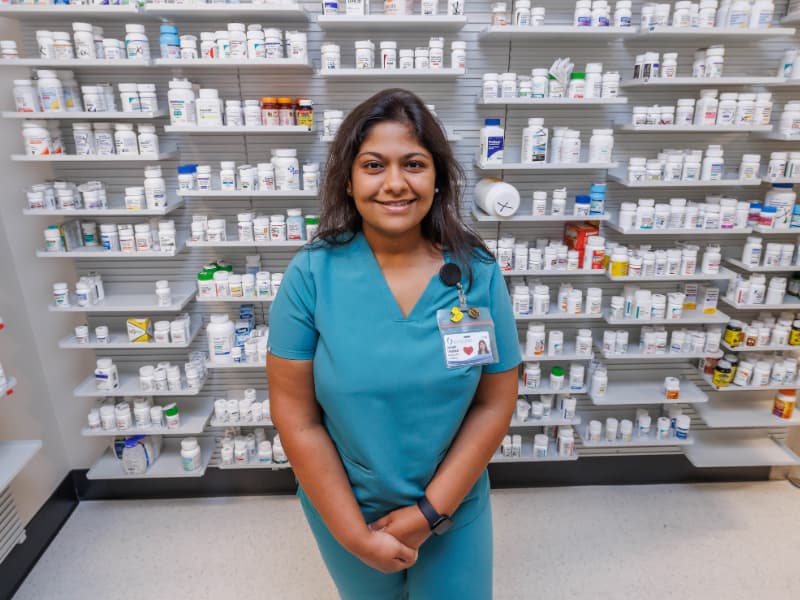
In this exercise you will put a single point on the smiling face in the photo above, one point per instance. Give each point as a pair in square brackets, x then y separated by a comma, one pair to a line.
[392, 180]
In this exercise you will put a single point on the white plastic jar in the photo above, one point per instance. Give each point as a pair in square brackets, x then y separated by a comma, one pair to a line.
[26, 99]
[458, 55]
[331, 57]
[51, 91]
[388, 55]
[137, 46]
[155, 188]
[83, 39]
[125, 140]
[148, 101]
[365, 58]
[148, 140]
[128, 95]
[436, 54]
[83, 137]
[601, 146]
[37, 138]
[237, 36]
[421, 58]
[104, 139]
[287, 169]
[181, 103]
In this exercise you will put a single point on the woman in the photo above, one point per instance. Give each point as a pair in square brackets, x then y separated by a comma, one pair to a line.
[386, 441]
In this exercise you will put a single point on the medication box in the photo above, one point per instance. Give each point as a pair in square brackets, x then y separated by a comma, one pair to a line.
[707, 299]
[691, 290]
[576, 236]
[140, 329]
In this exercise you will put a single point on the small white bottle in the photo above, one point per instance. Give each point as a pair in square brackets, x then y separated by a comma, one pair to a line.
[155, 188]
[209, 108]
[534, 141]
[148, 140]
[492, 142]
[705, 112]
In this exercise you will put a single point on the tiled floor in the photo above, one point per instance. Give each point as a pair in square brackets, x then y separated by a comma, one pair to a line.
[690, 542]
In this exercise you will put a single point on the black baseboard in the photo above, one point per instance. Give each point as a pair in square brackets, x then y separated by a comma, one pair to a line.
[41, 530]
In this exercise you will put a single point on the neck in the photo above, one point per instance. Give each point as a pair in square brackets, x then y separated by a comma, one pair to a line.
[396, 247]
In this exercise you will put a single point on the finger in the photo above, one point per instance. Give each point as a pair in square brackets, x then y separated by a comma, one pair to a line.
[379, 524]
[406, 554]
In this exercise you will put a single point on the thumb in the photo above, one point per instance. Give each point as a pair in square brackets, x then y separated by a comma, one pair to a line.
[406, 554]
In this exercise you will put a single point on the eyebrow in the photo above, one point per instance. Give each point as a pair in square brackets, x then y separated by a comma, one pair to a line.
[409, 155]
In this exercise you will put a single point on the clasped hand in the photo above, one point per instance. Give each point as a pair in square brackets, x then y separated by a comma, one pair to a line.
[393, 541]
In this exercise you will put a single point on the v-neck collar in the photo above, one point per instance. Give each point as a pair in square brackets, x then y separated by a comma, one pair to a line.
[397, 312]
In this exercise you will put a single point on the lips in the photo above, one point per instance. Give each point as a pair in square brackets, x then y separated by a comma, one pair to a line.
[396, 203]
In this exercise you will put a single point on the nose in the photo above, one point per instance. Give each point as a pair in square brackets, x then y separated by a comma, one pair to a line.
[394, 181]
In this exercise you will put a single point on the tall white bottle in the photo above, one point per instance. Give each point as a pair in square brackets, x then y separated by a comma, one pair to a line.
[534, 141]
[492, 142]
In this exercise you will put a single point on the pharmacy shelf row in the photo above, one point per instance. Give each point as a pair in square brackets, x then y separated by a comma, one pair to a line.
[93, 158]
[118, 340]
[14, 455]
[723, 275]
[650, 441]
[239, 129]
[280, 65]
[193, 419]
[749, 388]
[746, 411]
[581, 273]
[396, 74]
[678, 233]
[185, 12]
[735, 81]
[246, 244]
[688, 317]
[622, 179]
[114, 210]
[593, 35]
[546, 166]
[265, 422]
[98, 252]
[234, 299]
[693, 128]
[129, 386]
[482, 217]
[714, 448]
[544, 102]
[566, 355]
[131, 299]
[8, 387]
[528, 457]
[288, 194]
[636, 388]
[635, 354]
[451, 137]
[87, 116]
[775, 348]
[554, 419]
[545, 390]
[234, 366]
[789, 303]
[735, 262]
[168, 464]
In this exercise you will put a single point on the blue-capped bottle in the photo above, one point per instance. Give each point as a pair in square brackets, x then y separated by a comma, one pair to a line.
[169, 42]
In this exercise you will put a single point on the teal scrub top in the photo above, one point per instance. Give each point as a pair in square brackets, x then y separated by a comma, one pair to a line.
[389, 403]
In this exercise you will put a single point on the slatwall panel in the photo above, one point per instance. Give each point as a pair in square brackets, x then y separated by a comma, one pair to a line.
[11, 528]
[455, 103]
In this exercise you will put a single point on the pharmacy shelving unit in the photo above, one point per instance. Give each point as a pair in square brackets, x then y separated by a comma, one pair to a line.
[636, 355]
[297, 194]
[238, 129]
[546, 166]
[234, 366]
[733, 81]
[629, 128]
[666, 34]
[193, 419]
[723, 275]
[391, 23]
[791, 19]
[545, 390]
[770, 181]
[527, 455]
[118, 340]
[751, 448]
[481, 216]
[451, 137]
[277, 65]
[394, 74]
[748, 388]
[643, 442]
[554, 419]
[735, 262]
[581, 273]
[234, 299]
[555, 315]
[97, 252]
[114, 211]
[748, 411]
[8, 387]
[567, 355]
[574, 35]
[688, 317]
[777, 136]
[678, 233]
[87, 116]
[135, 301]
[552, 102]
[168, 464]
[642, 388]
[14, 455]
[50, 12]
[254, 464]
[246, 244]
[79, 158]
[77, 63]
[743, 348]
[790, 303]
[222, 12]
[129, 386]
[623, 181]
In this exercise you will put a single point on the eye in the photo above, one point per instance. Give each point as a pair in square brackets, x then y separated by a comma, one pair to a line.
[372, 165]
[416, 164]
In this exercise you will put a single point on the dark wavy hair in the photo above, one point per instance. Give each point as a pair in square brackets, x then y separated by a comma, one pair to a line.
[443, 226]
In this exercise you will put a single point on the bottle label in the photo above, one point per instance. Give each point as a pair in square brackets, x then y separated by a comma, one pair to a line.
[494, 149]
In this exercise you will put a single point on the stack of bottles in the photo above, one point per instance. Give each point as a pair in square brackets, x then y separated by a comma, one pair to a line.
[674, 425]
[154, 236]
[755, 291]
[88, 42]
[708, 63]
[732, 108]
[657, 341]
[167, 377]
[681, 261]
[241, 449]
[257, 228]
[555, 380]
[597, 13]
[109, 416]
[756, 369]
[590, 83]
[217, 280]
[636, 304]
[774, 255]
[532, 299]
[737, 14]
[785, 164]
[237, 42]
[237, 341]
[427, 8]
[690, 165]
[240, 410]
[716, 213]
[495, 197]
[764, 332]
[281, 174]
[427, 57]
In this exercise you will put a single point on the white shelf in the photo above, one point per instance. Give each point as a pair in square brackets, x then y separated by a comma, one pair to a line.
[792, 180]
[168, 464]
[134, 302]
[791, 19]
[238, 244]
[238, 129]
[216, 12]
[779, 137]
[255, 464]
[721, 276]
[546, 166]
[664, 33]
[95, 158]
[556, 315]
[678, 232]
[266, 422]
[527, 455]
[545, 388]
[8, 388]
[193, 416]
[97, 252]
[623, 180]
[743, 348]
[748, 388]
[637, 388]
[14, 455]
[574, 35]
[77, 63]
[567, 356]
[233, 366]
[403, 74]
[554, 419]
[479, 215]
[272, 64]
[739, 264]
[539, 102]
[738, 449]
[636, 442]
[245, 194]
[41, 12]
[391, 23]
[103, 212]
[694, 128]
[118, 340]
[234, 299]
[710, 82]
[636, 355]
[87, 116]
[555, 273]
[128, 386]
[790, 303]
[451, 137]
[688, 317]
[748, 411]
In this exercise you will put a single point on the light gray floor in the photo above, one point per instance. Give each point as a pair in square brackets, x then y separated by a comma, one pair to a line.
[640, 542]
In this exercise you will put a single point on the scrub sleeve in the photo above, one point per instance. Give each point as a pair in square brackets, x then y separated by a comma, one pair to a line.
[389, 403]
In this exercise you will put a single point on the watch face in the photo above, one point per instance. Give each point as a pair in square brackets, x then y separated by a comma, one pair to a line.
[442, 526]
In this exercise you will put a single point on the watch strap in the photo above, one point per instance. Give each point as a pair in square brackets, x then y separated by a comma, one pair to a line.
[437, 522]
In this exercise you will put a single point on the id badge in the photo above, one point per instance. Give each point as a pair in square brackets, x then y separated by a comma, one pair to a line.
[467, 340]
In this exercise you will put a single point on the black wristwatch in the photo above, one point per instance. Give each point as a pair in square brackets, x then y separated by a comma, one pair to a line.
[439, 524]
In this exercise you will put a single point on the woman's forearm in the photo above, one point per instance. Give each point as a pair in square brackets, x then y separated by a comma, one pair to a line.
[319, 470]
[480, 435]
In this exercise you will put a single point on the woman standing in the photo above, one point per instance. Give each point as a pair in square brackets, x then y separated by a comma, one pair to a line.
[387, 417]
